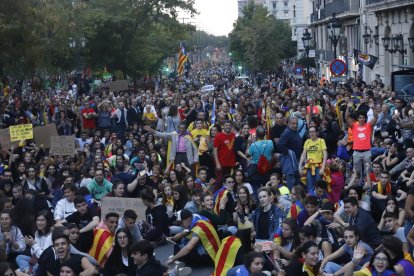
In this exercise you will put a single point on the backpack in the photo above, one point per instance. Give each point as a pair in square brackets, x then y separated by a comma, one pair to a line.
[263, 165]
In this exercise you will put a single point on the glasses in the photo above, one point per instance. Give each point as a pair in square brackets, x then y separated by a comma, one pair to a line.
[381, 260]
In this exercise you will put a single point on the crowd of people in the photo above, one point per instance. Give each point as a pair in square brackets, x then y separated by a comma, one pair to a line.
[268, 177]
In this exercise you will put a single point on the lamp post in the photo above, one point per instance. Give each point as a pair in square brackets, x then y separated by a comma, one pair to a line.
[395, 44]
[367, 36]
[334, 31]
[306, 38]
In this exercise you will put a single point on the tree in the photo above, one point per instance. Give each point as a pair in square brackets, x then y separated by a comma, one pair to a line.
[259, 40]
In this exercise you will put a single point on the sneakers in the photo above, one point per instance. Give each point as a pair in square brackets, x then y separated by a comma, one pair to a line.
[184, 271]
[180, 269]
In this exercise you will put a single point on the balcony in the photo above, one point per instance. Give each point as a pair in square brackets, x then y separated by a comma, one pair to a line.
[338, 7]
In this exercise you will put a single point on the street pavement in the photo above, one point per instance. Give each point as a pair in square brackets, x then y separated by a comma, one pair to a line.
[163, 252]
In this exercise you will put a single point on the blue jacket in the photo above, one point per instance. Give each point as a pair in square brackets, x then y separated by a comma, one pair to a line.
[275, 219]
[290, 140]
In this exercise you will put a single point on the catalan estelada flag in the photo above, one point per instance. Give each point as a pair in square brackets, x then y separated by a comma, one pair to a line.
[102, 245]
[208, 236]
[226, 255]
[182, 59]
[218, 196]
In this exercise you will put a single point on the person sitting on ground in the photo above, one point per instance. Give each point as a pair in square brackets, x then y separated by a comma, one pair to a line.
[103, 238]
[129, 222]
[198, 244]
[86, 218]
[61, 246]
[142, 253]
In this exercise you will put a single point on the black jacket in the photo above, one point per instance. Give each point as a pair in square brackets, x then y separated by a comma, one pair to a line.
[367, 227]
[158, 220]
[151, 268]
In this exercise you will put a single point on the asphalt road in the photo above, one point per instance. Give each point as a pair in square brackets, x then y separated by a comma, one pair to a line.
[163, 252]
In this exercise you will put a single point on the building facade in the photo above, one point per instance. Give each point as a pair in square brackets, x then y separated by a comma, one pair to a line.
[364, 24]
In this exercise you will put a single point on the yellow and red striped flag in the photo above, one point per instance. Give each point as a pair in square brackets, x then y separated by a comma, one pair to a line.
[102, 245]
[226, 255]
[182, 59]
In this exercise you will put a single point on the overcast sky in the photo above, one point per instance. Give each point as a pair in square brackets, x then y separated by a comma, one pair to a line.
[215, 16]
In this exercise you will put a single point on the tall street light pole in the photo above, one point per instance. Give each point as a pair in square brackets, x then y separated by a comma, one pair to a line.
[334, 31]
[306, 38]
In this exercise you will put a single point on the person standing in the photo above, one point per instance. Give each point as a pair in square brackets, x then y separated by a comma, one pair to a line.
[290, 147]
[88, 119]
[314, 158]
[183, 148]
[257, 149]
[362, 136]
[224, 153]
[121, 115]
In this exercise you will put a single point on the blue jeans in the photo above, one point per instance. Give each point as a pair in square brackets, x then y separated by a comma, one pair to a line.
[23, 263]
[312, 179]
[292, 180]
[332, 267]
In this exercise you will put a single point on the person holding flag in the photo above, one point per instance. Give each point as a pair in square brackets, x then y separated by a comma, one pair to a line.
[198, 244]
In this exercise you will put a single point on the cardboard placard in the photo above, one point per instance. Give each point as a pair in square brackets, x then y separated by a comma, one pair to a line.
[21, 132]
[42, 135]
[5, 142]
[120, 204]
[62, 145]
[119, 85]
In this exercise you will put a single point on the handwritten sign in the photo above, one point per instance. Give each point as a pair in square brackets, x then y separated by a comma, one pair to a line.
[120, 204]
[5, 142]
[42, 134]
[207, 88]
[21, 132]
[62, 145]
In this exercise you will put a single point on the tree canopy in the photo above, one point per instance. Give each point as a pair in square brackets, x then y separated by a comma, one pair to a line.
[132, 36]
[259, 40]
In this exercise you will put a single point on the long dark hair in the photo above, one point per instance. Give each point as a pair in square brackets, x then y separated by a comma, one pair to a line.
[49, 222]
[180, 203]
[293, 225]
[173, 110]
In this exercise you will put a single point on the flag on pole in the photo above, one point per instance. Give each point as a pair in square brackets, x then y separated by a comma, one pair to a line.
[182, 60]
[213, 113]
[366, 59]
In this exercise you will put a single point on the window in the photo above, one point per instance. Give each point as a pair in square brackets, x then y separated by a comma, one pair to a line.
[286, 13]
[285, 4]
[274, 4]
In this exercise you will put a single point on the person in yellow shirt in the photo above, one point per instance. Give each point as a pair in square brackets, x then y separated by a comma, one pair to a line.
[199, 130]
[149, 117]
[313, 158]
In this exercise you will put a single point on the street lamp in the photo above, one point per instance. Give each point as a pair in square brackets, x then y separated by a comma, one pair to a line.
[367, 36]
[411, 42]
[306, 38]
[334, 31]
[395, 44]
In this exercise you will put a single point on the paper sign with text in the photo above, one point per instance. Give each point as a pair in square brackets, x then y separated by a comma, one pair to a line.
[120, 204]
[62, 145]
[21, 132]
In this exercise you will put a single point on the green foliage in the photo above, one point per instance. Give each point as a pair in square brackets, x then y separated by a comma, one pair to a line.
[259, 40]
[133, 36]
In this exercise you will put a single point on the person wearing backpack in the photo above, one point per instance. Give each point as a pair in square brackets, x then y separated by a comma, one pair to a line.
[260, 165]
[313, 159]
